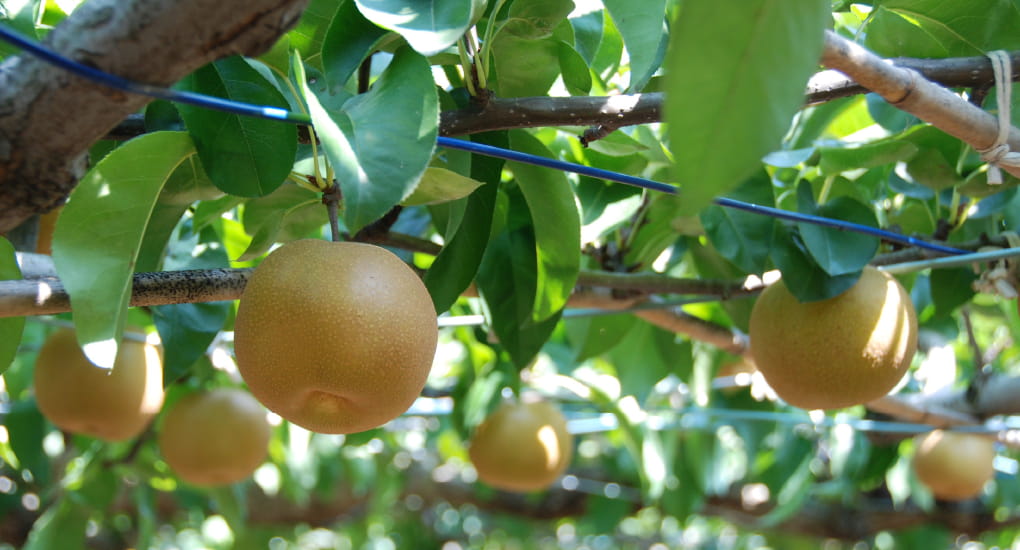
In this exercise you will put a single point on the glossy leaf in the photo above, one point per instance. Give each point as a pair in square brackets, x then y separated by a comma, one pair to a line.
[743, 238]
[455, 266]
[647, 355]
[99, 233]
[429, 26]
[643, 29]
[440, 185]
[349, 40]
[379, 158]
[840, 252]
[729, 102]
[557, 224]
[930, 28]
[525, 67]
[307, 36]
[242, 155]
[593, 336]
[804, 278]
[10, 327]
[507, 283]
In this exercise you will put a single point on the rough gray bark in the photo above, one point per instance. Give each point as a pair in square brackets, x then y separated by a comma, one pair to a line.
[49, 118]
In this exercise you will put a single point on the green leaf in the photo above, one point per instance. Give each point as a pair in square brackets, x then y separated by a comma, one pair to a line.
[242, 155]
[587, 34]
[524, 67]
[729, 102]
[10, 327]
[840, 252]
[429, 26]
[595, 335]
[804, 278]
[743, 238]
[574, 70]
[643, 29]
[508, 284]
[62, 526]
[349, 40]
[557, 223]
[441, 185]
[835, 160]
[534, 19]
[930, 28]
[287, 214]
[951, 288]
[26, 429]
[187, 330]
[646, 356]
[20, 16]
[307, 36]
[378, 157]
[99, 233]
[455, 266]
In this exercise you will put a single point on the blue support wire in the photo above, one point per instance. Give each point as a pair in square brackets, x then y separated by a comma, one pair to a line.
[274, 113]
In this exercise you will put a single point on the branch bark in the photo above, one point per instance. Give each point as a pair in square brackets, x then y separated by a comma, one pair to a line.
[49, 118]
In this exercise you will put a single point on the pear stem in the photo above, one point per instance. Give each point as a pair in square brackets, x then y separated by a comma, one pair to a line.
[331, 198]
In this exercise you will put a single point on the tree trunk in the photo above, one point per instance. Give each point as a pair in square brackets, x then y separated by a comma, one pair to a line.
[49, 118]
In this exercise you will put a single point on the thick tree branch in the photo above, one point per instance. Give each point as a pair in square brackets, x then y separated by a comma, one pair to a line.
[49, 118]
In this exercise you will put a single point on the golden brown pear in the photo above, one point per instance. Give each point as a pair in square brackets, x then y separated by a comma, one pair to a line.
[523, 446]
[843, 351]
[335, 337]
[216, 437]
[954, 465]
[110, 404]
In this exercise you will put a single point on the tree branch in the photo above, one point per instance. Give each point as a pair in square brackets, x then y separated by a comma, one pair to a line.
[908, 91]
[49, 118]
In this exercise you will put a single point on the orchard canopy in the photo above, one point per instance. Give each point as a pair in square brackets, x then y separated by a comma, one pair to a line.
[797, 138]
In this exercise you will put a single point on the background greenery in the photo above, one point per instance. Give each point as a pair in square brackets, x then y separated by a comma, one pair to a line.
[666, 456]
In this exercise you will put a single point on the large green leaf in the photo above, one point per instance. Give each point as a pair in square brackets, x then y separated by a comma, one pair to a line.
[525, 67]
[379, 153]
[429, 26]
[557, 222]
[729, 102]
[99, 233]
[646, 356]
[455, 266]
[743, 238]
[932, 28]
[306, 37]
[62, 526]
[242, 155]
[643, 29]
[507, 281]
[837, 252]
[805, 279]
[348, 41]
[10, 327]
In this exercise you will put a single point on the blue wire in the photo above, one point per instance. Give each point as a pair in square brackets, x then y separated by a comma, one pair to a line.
[599, 173]
[274, 113]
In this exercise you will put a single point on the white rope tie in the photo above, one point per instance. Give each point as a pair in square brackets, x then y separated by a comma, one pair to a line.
[998, 154]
